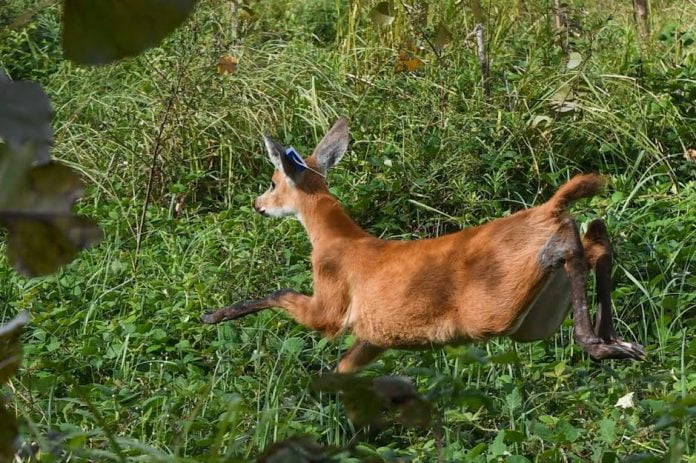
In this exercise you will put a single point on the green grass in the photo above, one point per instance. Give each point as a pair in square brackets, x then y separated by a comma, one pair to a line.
[116, 359]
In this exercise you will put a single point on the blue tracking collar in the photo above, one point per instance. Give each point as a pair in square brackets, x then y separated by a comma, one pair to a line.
[295, 158]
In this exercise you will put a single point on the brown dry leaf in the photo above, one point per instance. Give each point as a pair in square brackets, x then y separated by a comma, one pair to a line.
[408, 60]
[690, 154]
[227, 64]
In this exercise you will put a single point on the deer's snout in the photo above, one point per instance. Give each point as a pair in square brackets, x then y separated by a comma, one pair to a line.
[260, 209]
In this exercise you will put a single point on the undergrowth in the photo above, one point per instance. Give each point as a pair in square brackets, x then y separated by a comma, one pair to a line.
[117, 365]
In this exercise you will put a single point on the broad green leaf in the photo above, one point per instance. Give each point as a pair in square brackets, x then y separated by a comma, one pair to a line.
[25, 116]
[513, 400]
[473, 400]
[574, 60]
[476, 451]
[103, 31]
[566, 432]
[383, 14]
[472, 354]
[607, 430]
[35, 207]
[497, 447]
[509, 357]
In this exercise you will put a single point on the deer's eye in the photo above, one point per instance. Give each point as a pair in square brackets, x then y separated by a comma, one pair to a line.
[272, 185]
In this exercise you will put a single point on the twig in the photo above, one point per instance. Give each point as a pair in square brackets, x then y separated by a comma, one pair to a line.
[561, 25]
[479, 32]
[153, 165]
[640, 13]
[415, 25]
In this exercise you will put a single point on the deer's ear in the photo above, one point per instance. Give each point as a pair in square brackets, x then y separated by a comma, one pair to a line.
[284, 161]
[333, 146]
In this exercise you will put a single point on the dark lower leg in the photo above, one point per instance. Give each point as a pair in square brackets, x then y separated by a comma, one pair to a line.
[585, 336]
[281, 298]
[597, 249]
[605, 323]
[576, 268]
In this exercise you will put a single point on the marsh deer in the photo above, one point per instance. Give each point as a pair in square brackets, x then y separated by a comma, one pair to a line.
[515, 276]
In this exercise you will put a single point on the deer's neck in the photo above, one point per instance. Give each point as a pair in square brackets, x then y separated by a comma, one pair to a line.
[325, 220]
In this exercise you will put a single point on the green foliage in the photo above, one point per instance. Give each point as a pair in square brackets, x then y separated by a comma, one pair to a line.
[115, 359]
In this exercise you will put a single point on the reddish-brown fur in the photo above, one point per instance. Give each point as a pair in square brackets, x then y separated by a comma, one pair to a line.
[466, 286]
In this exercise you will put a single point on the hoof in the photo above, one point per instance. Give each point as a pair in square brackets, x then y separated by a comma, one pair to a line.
[618, 349]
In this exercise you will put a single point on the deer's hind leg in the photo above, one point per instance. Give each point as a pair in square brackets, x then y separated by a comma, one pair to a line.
[566, 248]
[597, 248]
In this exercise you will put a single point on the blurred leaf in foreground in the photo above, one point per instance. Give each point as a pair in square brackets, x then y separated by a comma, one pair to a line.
[10, 358]
[35, 207]
[102, 31]
[25, 116]
[296, 450]
[379, 401]
[382, 14]
[36, 194]
[442, 36]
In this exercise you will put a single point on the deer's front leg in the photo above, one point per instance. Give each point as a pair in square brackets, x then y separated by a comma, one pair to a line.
[292, 301]
[360, 353]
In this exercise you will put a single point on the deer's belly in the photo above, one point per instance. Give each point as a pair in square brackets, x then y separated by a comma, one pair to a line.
[547, 311]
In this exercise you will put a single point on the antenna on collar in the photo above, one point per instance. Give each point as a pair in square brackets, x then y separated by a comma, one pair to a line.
[297, 160]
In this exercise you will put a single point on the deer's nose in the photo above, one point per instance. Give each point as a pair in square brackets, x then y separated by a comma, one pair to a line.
[258, 209]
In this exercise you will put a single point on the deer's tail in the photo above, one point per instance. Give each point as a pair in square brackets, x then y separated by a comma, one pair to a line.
[580, 186]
